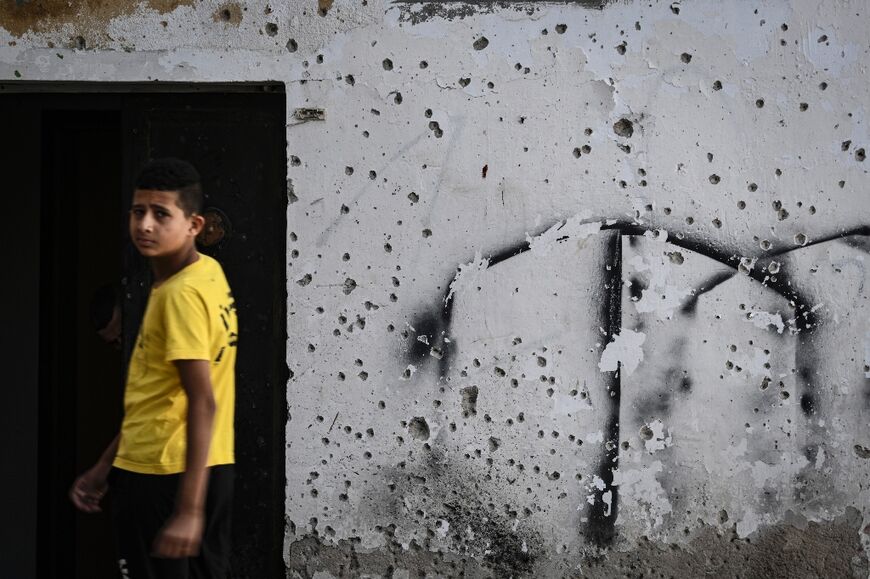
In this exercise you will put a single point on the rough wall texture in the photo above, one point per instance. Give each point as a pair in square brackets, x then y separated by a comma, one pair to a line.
[575, 288]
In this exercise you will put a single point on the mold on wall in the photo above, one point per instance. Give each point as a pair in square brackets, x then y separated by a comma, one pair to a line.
[572, 287]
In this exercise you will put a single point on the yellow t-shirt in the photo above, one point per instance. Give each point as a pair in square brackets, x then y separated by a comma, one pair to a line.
[190, 316]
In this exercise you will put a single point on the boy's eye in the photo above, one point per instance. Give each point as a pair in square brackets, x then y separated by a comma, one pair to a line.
[137, 212]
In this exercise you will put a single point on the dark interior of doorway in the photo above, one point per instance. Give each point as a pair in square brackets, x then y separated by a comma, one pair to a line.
[70, 172]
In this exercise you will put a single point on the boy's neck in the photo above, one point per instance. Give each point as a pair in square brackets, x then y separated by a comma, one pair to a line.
[166, 266]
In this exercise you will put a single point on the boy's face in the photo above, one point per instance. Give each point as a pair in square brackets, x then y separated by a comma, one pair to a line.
[158, 226]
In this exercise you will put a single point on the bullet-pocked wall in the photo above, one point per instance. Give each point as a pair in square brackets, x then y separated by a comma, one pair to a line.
[575, 289]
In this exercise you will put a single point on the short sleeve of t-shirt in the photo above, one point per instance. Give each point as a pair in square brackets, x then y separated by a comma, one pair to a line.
[187, 326]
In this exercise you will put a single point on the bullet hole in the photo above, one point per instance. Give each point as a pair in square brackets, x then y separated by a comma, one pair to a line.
[690, 220]
[576, 153]
[717, 85]
[427, 233]
[759, 103]
[823, 85]
[79, 43]
[646, 432]
[844, 146]
[398, 98]
[586, 149]
[349, 79]
[624, 148]
[292, 46]
[389, 249]
[675, 7]
[464, 82]
[784, 394]
[305, 280]
[469, 401]
[294, 254]
[773, 267]
[484, 171]
[800, 239]
[686, 57]
[344, 210]
[862, 451]
[481, 43]
[620, 48]
[542, 362]
[841, 184]
[363, 375]
[373, 175]
[428, 113]
[382, 404]
[388, 64]
[295, 161]
[348, 171]
[782, 214]
[349, 286]
[271, 29]
[365, 134]
[859, 155]
[624, 128]
[752, 187]
[494, 443]
[717, 223]
[714, 179]
[436, 128]
[709, 157]
[804, 106]
[490, 85]
[423, 64]
[561, 28]
[676, 257]
[419, 428]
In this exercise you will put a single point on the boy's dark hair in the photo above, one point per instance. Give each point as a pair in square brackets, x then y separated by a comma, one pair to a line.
[170, 174]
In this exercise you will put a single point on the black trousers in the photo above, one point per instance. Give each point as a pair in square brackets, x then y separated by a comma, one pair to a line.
[142, 503]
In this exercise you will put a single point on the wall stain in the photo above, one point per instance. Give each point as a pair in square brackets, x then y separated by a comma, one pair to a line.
[231, 13]
[21, 16]
[831, 549]
[417, 11]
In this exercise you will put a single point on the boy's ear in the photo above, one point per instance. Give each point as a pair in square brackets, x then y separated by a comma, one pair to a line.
[197, 222]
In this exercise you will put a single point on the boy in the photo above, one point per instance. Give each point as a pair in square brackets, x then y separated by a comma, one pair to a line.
[171, 465]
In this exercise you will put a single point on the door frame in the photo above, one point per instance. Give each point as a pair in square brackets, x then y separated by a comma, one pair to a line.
[44, 94]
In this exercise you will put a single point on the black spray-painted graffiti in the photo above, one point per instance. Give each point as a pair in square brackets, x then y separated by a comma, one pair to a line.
[436, 324]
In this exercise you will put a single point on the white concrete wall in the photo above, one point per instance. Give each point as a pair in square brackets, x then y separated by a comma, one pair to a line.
[738, 204]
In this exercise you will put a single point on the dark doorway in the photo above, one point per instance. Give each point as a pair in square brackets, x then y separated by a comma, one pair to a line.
[72, 169]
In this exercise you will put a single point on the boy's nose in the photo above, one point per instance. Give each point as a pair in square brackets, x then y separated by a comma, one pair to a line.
[146, 224]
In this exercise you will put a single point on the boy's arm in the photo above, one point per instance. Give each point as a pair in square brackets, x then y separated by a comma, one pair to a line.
[181, 535]
[89, 488]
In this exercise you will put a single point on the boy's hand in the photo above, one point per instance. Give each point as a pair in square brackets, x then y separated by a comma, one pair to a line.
[88, 490]
[180, 537]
